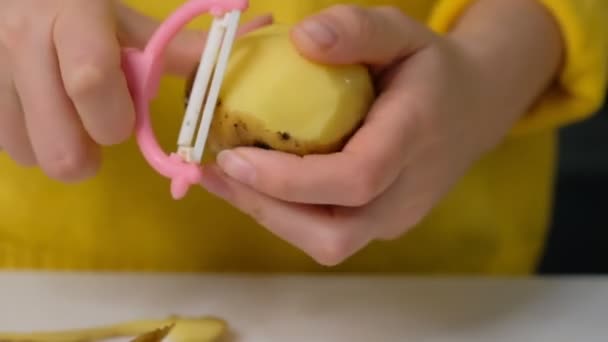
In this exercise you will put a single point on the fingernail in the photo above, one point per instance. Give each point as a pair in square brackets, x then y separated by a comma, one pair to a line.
[317, 31]
[236, 166]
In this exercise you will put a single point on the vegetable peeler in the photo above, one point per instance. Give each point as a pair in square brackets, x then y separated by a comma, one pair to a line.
[143, 70]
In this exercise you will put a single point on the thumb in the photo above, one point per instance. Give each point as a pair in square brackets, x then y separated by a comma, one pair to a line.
[349, 34]
[184, 51]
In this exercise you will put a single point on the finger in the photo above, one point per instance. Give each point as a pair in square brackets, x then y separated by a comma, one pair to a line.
[90, 62]
[183, 52]
[368, 164]
[413, 195]
[13, 135]
[61, 146]
[403, 206]
[327, 238]
[348, 34]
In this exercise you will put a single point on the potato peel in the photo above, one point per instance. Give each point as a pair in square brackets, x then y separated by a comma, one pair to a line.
[157, 335]
[174, 328]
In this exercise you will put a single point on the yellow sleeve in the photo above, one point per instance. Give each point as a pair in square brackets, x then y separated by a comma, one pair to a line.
[582, 81]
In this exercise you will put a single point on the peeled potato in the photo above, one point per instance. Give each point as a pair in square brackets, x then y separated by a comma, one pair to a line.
[274, 98]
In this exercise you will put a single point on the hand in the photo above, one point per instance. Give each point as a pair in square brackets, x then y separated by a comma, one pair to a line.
[63, 93]
[442, 105]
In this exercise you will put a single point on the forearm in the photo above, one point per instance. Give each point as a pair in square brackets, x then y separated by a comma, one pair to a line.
[516, 46]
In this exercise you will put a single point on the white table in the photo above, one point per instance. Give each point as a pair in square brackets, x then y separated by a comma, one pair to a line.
[309, 309]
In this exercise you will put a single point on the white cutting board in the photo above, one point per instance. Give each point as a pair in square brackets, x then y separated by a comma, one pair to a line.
[294, 309]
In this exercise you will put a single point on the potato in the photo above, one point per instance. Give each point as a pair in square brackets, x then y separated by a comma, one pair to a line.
[274, 98]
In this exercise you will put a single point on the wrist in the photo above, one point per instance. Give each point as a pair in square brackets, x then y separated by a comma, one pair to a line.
[514, 45]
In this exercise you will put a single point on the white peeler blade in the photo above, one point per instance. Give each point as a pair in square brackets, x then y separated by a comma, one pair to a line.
[214, 61]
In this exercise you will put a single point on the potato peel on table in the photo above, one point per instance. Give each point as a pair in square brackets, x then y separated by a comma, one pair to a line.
[172, 329]
[157, 335]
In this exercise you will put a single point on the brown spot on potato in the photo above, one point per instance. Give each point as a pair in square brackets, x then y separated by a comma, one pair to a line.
[262, 145]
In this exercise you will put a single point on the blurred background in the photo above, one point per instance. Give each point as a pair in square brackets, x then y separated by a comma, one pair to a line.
[578, 243]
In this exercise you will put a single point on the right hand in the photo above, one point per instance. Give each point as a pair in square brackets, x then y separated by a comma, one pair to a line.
[63, 93]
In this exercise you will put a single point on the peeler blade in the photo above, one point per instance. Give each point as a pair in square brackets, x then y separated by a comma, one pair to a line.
[214, 61]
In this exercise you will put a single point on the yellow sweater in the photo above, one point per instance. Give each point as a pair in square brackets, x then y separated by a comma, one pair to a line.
[494, 221]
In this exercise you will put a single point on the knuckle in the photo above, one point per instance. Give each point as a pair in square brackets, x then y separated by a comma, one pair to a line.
[87, 78]
[412, 216]
[391, 12]
[333, 249]
[398, 20]
[356, 18]
[421, 120]
[115, 134]
[67, 164]
[350, 12]
[365, 186]
[14, 30]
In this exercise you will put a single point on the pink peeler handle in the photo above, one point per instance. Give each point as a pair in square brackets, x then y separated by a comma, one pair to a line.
[144, 69]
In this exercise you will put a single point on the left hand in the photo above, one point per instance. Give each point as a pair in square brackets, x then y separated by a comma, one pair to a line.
[436, 114]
